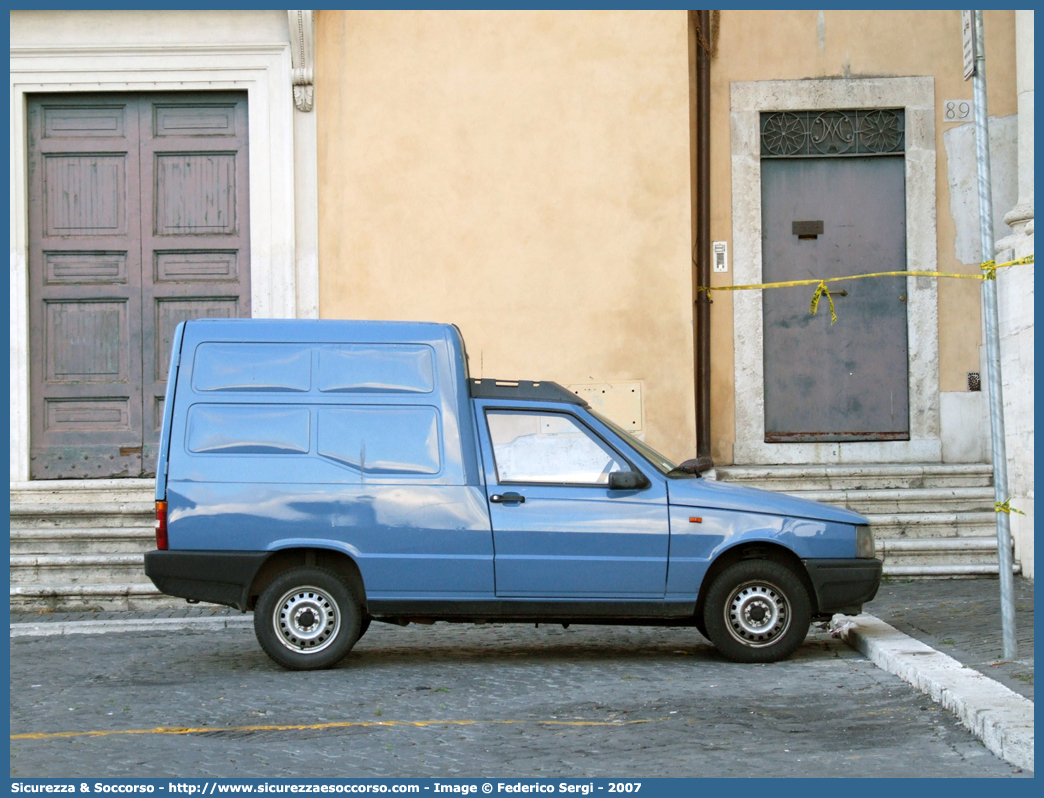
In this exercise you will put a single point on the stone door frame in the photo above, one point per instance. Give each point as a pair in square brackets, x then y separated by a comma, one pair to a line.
[747, 100]
[280, 288]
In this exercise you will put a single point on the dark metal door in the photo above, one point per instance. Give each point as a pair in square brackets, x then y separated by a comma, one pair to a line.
[137, 220]
[833, 217]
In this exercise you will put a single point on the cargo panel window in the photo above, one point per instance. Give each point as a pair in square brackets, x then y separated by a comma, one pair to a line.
[247, 429]
[369, 368]
[385, 439]
[248, 368]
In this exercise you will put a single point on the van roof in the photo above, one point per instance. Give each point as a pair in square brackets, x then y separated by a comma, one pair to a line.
[320, 330]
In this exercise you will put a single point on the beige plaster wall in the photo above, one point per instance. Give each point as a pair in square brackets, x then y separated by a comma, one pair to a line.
[524, 175]
[46, 28]
[791, 45]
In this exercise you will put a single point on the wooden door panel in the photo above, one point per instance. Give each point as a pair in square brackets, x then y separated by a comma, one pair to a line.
[86, 195]
[86, 341]
[212, 119]
[84, 287]
[80, 415]
[186, 266]
[196, 242]
[195, 193]
[84, 121]
[84, 268]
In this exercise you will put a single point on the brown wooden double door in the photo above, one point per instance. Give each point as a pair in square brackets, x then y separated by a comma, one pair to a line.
[138, 220]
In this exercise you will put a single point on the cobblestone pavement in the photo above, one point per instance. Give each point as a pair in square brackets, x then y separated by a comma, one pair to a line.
[962, 618]
[825, 712]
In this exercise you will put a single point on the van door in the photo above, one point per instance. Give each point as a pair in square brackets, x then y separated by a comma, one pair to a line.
[558, 531]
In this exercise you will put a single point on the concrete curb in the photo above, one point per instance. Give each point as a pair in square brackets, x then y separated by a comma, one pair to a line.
[137, 625]
[1000, 717]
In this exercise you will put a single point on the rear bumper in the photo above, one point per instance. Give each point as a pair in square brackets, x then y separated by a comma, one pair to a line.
[844, 585]
[221, 577]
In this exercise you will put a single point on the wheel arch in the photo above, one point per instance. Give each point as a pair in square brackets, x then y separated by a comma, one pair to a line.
[757, 550]
[333, 560]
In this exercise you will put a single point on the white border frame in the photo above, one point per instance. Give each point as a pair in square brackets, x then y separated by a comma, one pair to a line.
[263, 70]
[748, 100]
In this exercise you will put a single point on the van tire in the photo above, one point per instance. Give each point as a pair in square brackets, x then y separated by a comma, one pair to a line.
[701, 627]
[307, 619]
[757, 611]
[363, 627]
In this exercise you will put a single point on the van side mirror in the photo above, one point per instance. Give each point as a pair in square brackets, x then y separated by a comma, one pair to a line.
[628, 480]
[697, 465]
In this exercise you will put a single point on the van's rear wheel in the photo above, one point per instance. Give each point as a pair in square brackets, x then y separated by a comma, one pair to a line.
[757, 611]
[307, 618]
[363, 627]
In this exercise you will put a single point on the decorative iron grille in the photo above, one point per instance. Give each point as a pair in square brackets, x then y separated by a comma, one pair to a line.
[798, 134]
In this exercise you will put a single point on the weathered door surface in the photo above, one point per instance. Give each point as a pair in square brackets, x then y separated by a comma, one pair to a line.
[138, 219]
[833, 217]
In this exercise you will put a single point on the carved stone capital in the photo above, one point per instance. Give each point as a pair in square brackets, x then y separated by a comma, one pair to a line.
[1020, 214]
[302, 56]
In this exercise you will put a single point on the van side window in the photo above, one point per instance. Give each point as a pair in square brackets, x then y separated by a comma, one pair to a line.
[548, 448]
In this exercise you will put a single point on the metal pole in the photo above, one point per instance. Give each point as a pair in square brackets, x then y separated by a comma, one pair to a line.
[993, 357]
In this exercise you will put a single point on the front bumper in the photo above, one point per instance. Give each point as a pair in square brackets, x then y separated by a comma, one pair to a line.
[844, 585]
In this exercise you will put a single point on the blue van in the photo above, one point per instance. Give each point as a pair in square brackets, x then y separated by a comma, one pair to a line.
[328, 473]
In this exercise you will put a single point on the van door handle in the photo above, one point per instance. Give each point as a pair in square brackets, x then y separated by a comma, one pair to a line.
[507, 498]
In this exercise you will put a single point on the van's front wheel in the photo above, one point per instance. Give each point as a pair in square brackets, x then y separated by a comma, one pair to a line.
[307, 619]
[757, 611]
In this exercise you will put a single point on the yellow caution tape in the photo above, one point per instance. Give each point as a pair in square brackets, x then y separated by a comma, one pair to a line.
[989, 269]
[1005, 507]
[814, 307]
[817, 280]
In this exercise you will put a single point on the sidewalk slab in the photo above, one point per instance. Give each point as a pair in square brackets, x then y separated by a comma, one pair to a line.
[962, 618]
[131, 625]
[201, 610]
[1001, 718]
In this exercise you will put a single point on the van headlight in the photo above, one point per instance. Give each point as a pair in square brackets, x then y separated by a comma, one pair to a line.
[864, 541]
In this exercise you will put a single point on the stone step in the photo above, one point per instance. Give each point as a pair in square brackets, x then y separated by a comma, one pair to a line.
[81, 491]
[43, 515]
[933, 525]
[945, 571]
[959, 556]
[69, 540]
[938, 551]
[77, 569]
[90, 598]
[859, 477]
[906, 500]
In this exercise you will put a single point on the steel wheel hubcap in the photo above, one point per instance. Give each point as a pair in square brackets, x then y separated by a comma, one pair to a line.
[306, 620]
[757, 614]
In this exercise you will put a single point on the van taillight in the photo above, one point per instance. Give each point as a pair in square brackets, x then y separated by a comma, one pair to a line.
[161, 526]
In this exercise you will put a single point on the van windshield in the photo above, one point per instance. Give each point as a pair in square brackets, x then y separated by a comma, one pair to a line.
[657, 460]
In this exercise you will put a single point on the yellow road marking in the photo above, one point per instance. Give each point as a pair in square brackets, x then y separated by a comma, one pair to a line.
[320, 726]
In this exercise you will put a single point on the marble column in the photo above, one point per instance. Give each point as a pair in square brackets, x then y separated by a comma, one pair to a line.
[1015, 299]
[1020, 218]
